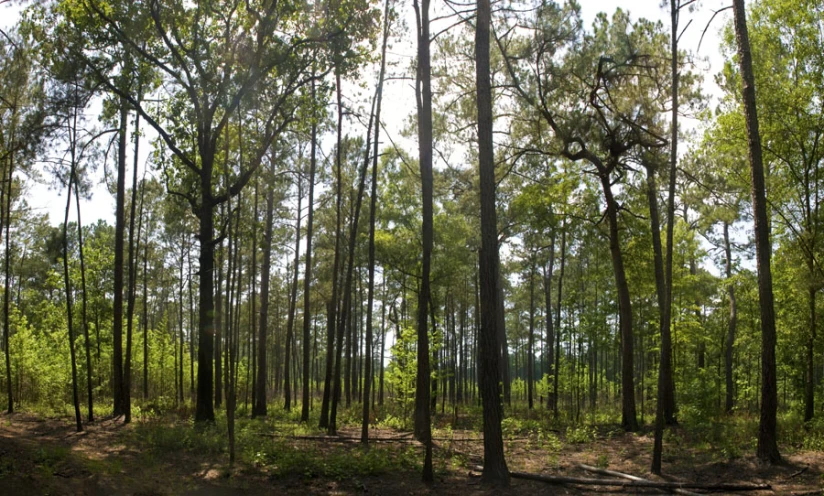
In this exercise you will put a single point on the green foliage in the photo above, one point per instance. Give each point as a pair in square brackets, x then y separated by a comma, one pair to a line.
[401, 373]
[580, 434]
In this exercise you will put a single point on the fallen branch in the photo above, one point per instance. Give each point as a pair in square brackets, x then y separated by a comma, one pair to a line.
[603, 471]
[797, 473]
[552, 479]
[348, 439]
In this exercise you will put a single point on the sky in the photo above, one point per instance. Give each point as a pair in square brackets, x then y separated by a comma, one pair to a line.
[399, 94]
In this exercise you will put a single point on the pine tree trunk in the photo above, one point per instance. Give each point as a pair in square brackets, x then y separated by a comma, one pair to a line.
[132, 284]
[731, 325]
[628, 418]
[347, 285]
[495, 470]
[307, 275]
[767, 449]
[664, 368]
[423, 93]
[6, 219]
[265, 276]
[373, 205]
[69, 305]
[333, 304]
[86, 343]
[119, 230]
[292, 300]
[530, 359]
[668, 393]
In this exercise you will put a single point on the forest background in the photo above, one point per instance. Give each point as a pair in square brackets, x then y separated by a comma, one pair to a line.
[217, 153]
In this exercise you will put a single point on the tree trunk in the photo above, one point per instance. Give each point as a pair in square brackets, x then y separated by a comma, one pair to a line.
[347, 285]
[550, 332]
[332, 313]
[501, 326]
[373, 205]
[664, 369]
[530, 359]
[293, 298]
[423, 93]
[307, 273]
[731, 326]
[558, 321]
[495, 470]
[809, 383]
[145, 318]
[119, 229]
[383, 338]
[767, 449]
[265, 276]
[68, 285]
[9, 180]
[668, 394]
[87, 345]
[204, 410]
[628, 419]
[218, 332]
[132, 285]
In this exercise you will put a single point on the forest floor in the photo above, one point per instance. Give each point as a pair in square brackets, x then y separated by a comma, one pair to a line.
[160, 456]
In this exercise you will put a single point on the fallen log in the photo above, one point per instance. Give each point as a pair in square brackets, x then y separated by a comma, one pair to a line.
[603, 471]
[348, 439]
[554, 479]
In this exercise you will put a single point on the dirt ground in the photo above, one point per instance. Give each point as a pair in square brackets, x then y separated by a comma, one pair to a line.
[46, 456]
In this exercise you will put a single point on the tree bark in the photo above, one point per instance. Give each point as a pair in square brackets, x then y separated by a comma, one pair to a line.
[204, 409]
[668, 394]
[307, 275]
[347, 284]
[134, 239]
[809, 383]
[69, 305]
[333, 304]
[530, 359]
[265, 276]
[293, 299]
[731, 325]
[558, 321]
[86, 343]
[9, 180]
[628, 418]
[373, 205]
[495, 470]
[664, 368]
[767, 449]
[119, 229]
[423, 93]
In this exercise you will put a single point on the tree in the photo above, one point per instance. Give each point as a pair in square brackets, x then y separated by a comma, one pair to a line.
[22, 127]
[208, 95]
[599, 115]
[495, 470]
[373, 197]
[767, 449]
[423, 94]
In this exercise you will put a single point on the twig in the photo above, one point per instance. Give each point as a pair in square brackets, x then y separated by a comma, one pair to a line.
[797, 473]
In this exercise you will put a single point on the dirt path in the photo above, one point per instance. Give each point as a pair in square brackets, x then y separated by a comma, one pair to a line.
[46, 456]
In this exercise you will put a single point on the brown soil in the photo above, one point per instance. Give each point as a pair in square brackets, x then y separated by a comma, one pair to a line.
[39, 456]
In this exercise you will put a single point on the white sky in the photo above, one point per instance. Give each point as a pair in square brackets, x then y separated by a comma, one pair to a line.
[399, 95]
